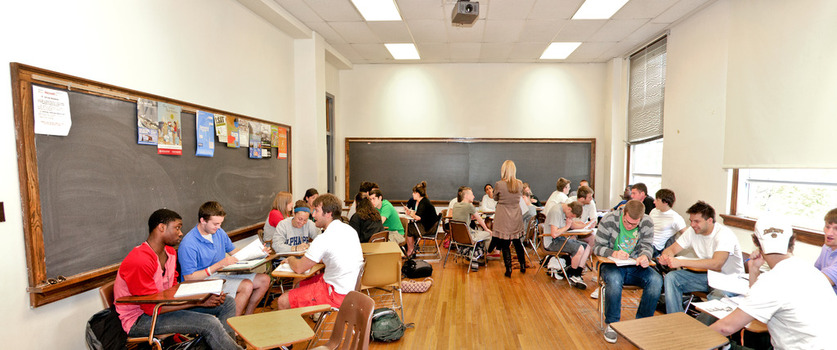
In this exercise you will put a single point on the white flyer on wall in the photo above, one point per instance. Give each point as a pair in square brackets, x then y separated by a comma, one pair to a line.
[52, 111]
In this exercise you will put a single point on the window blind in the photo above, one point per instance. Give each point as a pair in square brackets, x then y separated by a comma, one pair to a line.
[646, 92]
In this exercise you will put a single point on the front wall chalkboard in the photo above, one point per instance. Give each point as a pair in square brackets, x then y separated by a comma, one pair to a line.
[398, 164]
[98, 186]
[87, 196]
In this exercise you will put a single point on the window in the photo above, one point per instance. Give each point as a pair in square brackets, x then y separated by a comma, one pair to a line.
[803, 196]
[647, 165]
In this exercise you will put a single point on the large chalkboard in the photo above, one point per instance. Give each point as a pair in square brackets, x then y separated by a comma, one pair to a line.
[96, 186]
[398, 164]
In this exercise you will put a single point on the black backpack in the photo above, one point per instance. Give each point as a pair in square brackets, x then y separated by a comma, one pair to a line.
[415, 268]
[386, 325]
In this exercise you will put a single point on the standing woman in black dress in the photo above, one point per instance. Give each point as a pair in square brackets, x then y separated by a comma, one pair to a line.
[508, 219]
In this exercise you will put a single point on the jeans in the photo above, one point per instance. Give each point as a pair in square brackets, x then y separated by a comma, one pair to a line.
[683, 281]
[615, 277]
[210, 322]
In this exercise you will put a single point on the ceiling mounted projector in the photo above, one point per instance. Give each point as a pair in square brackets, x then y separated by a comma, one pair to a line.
[465, 13]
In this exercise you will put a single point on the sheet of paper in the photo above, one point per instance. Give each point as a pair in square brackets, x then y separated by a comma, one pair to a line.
[719, 308]
[624, 262]
[254, 250]
[202, 287]
[243, 265]
[287, 268]
[52, 111]
[581, 230]
[738, 284]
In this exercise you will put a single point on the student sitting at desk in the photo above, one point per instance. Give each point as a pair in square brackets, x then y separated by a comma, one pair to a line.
[294, 233]
[827, 261]
[424, 217]
[389, 216]
[716, 248]
[558, 221]
[367, 219]
[338, 248]
[150, 268]
[560, 194]
[531, 198]
[204, 251]
[464, 211]
[640, 192]
[794, 299]
[365, 187]
[281, 208]
[627, 234]
[666, 221]
[488, 204]
[588, 219]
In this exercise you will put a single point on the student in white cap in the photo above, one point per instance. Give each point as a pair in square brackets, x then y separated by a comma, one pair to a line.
[794, 299]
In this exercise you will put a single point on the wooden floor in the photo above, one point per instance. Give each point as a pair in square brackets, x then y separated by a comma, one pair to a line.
[484, 309]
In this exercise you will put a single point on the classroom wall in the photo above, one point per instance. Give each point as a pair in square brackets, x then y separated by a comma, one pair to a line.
[473, 100]
[214, 53]
[695, 110]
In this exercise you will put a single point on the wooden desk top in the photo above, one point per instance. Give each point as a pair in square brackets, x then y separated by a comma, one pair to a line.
[166, 296]
[671, 331]
[381, 248]
[285, 274]
[268, 330]
[234, 268]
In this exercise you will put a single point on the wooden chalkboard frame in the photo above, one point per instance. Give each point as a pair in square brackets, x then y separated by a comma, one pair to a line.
[23, 76]
[349, 191]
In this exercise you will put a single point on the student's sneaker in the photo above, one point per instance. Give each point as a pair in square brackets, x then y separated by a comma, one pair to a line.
[475, 266]
[595, 294]
[610, 335]
[578, 282]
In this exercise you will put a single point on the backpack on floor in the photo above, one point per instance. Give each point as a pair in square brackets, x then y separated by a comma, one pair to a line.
[415, 268]
[386, 325]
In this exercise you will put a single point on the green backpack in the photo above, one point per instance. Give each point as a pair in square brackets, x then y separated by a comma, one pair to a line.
[386, 325]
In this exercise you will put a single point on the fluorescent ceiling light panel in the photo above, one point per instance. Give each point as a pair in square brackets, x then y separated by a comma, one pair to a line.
[403, 51]
[377, 10]
[599, 9]
[559, 51]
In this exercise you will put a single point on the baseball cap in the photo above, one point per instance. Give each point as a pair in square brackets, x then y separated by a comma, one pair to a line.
[773, 234]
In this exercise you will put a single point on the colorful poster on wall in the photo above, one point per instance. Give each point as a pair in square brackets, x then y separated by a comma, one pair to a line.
[168, 125]
[244, 132]
[51, 111]
[282, 146]
[204, 126]
[146, 122]
[232, 132]
[221, 128]
[274, 136]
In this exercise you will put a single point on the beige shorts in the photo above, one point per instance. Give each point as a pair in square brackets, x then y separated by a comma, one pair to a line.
[396, 237]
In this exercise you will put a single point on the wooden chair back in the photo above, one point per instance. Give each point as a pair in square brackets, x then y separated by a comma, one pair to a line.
[353, 325]
[382, 236]
[460, 233]
[360, 275]
[382, 270]
[106, 293]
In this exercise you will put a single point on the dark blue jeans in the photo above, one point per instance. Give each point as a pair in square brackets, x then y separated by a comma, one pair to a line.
[615, 277]
[211, 322]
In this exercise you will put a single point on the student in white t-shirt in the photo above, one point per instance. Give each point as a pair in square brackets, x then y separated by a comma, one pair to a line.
[716, 247]
[560, 194]
[666, 221]
[794, 299]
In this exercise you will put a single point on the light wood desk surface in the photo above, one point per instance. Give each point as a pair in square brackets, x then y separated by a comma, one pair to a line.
[309, 273]
[164, 297]
[268, 330]
[248, 269]
[381, 248]
[671, 331]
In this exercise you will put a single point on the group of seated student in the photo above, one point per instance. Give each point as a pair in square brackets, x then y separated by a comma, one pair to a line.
[294, 233]
[366, 219]
[389, 216]
[282, 207]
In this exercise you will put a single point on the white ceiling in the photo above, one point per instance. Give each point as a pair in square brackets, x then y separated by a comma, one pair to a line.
[507, 30]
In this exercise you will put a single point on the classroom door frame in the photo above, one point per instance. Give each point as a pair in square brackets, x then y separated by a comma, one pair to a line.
[332, 179]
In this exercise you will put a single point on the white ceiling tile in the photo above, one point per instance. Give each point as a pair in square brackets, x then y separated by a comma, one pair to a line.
[554, 9]
[502, 31]
[466, 34]
[331, 10]
[507, 9]
[299, 9]
[618, 50]
[422, 9]
[348, 51]
[679, 10]
[490, 52]
[616, 30]
[391, 32]
[465, 51]
[434, 52]
[540, 30]
[328, 33]
[431, 31]
[373, 52]
[591, 50]
[643, 9]
[647, 32]
[527, 50]
[356, 32]
[579, 30]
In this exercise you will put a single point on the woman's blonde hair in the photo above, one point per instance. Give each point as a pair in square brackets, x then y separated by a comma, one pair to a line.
[509, 174]
[280, 202]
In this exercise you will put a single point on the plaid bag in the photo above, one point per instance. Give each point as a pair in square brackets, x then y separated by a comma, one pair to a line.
[408, 286]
